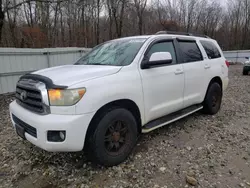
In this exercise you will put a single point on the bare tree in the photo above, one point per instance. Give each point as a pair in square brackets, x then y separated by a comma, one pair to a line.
[53, 23]
[116, 8]
[140, 6]
[2, 16]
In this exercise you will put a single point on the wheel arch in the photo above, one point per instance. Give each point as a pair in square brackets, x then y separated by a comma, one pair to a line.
[123, 103]
[215, 79]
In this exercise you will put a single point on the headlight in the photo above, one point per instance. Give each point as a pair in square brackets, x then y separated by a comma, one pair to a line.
[67, 97]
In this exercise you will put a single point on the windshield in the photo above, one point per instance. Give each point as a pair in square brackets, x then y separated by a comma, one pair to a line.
[115, 53]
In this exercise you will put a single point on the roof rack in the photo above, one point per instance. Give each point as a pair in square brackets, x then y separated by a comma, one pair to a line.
[181, 33]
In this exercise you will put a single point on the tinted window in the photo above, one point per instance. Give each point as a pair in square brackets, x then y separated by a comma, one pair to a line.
[163, 47]
[190, 51]
[211, 50]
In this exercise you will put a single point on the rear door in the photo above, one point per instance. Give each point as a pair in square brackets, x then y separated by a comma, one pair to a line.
[193, 66]
[214, 61]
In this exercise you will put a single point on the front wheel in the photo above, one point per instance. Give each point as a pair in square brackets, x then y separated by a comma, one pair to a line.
[212, 102]
[113, 138]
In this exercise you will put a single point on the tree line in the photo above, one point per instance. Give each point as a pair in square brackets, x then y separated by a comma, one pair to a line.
[86, 23]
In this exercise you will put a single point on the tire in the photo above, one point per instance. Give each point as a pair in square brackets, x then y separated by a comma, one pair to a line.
[113, 138]
[245, 72]
[212, 102]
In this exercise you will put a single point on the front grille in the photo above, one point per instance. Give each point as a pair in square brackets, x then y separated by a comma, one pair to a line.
[27, 128]
[29, 97]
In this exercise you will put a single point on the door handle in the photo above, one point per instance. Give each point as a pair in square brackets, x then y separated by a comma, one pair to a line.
[207, 66]
[178, 72]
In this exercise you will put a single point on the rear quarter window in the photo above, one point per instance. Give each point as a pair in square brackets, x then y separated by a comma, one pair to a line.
[211, 49]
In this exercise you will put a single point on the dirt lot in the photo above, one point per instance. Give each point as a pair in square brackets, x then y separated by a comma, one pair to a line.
[215, 150]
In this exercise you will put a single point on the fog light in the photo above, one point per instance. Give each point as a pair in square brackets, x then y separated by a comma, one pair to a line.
[56, 136]
[62, 135]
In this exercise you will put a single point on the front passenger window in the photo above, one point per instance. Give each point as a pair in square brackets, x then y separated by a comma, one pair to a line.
[163, 47]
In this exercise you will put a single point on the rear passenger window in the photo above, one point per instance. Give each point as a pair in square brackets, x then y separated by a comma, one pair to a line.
[190, 51]
[211, 50]
[163, 47]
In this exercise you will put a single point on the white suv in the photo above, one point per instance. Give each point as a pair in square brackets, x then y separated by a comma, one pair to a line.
[118, 90]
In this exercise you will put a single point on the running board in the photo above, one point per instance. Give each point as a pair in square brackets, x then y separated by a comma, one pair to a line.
[165, 120]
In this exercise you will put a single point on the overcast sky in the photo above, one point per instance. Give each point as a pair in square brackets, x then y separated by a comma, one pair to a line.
[223, 2]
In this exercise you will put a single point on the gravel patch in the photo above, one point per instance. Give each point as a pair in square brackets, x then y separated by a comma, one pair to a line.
[199, 151]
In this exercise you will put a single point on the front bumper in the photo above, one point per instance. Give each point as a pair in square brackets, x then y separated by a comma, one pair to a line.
[75, 126]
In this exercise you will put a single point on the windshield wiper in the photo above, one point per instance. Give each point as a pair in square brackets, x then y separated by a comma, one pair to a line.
[96, 64]
[88, 64]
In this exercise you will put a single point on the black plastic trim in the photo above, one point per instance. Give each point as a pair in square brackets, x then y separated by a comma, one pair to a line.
[170, 117]
[181, 33]
[182, 39]
[54, 136]
[47, 81]
[178, 52]
[156, 64]
[27, 128]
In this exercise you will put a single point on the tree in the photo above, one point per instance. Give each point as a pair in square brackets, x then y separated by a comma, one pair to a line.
[9, 6]
[140, 6]
[2, 16]
[54, 23]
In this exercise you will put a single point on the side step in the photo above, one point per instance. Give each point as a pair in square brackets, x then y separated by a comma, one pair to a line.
[165, 120]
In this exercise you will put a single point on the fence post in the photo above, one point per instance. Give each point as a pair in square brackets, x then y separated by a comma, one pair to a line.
[237, 56]
[81, 52]
[47, 57]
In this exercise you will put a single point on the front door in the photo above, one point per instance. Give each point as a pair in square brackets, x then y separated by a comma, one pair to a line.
[163, 86]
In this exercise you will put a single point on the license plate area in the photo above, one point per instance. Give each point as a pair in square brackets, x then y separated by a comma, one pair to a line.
[20, 131]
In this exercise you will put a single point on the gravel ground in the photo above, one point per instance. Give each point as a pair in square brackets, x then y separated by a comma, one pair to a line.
[207, 151]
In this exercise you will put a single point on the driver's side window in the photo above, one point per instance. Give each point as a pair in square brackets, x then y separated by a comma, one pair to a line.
[163, 47]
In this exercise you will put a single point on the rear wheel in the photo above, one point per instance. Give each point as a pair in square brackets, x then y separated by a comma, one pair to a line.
[114, 137]
[212, 102]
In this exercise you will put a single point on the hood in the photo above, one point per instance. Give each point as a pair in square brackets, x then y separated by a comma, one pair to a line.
[72, 74]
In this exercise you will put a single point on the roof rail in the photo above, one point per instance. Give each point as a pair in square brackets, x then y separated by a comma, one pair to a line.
[181, 33]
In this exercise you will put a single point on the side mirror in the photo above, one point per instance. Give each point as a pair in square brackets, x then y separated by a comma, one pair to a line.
[156, 59]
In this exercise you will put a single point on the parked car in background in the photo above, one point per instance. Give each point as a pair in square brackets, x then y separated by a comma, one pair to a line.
[120, 89]
[231, 62]
[246, 68]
